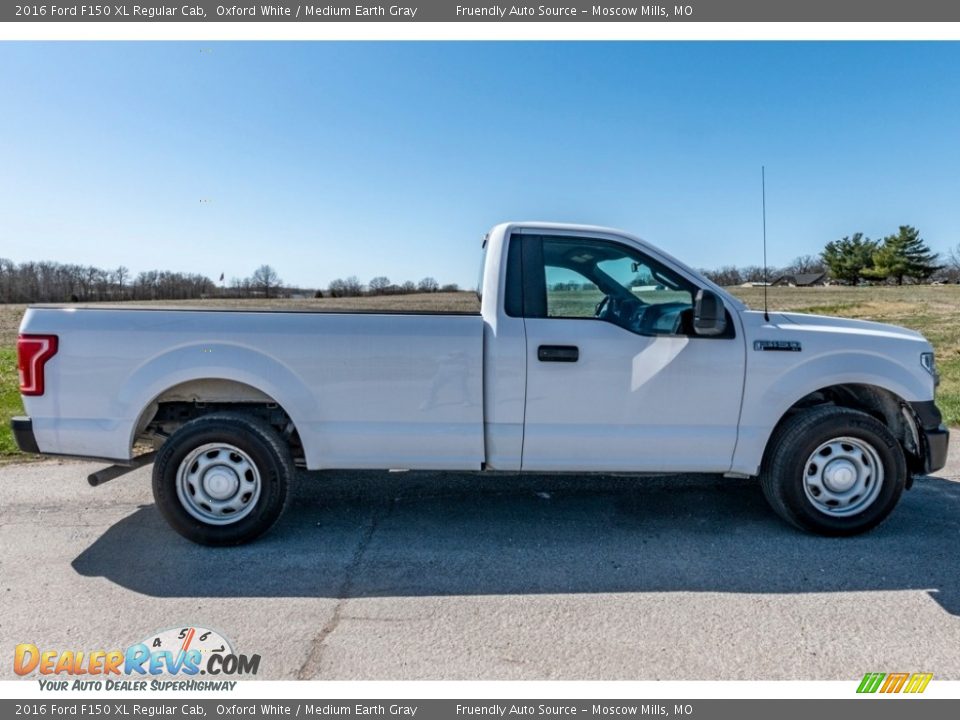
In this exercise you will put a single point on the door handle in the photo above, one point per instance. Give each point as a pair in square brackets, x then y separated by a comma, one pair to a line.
[558, 353]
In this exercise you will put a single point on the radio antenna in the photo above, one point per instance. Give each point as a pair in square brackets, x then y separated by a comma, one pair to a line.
[763, 196]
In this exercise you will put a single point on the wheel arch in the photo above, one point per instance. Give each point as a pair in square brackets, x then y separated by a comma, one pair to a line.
[211, 378]
[878, 402]
[865, 381]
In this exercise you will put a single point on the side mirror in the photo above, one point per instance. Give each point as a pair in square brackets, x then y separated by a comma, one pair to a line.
[709, 314]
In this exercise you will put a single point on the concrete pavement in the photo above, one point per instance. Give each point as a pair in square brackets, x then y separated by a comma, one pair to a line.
[461, 576]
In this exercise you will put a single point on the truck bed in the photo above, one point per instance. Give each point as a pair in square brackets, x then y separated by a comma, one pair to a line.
[363, 389]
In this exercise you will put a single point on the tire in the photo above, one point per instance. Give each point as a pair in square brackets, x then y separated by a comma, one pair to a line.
[833, 471]
[222, 479]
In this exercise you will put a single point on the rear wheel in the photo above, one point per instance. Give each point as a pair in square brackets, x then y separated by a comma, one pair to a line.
[833, 471]
[222, 479]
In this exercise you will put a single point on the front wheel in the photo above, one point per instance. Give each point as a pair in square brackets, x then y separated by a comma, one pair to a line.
[222, 479]
[833, 471]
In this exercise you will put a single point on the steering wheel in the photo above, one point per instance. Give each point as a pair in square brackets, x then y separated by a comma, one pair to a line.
[653, 315]
[601, 307]
[625, 312]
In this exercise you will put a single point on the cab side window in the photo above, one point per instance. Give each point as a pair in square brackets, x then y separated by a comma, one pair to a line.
[606, 281]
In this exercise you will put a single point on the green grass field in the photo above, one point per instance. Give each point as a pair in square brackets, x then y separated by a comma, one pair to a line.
[932, 310]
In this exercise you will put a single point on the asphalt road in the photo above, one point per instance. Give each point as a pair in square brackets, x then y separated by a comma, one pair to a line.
[461, 576]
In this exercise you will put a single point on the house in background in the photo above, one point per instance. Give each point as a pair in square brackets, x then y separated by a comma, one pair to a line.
[801, 280]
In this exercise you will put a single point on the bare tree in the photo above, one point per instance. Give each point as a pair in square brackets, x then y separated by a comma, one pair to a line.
[8, 280]
[428, 284]
[102, 282]
[450, 287]
[119, 276]
[951, 270]
[805, 264]
[351, 287]
[408, 287]
[726, 276]
[240, 287]
[47, 281]
[379, 285]
[754, 273]
[265, 279]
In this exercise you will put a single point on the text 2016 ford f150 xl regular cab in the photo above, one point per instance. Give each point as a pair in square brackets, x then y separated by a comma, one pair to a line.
[592, 352]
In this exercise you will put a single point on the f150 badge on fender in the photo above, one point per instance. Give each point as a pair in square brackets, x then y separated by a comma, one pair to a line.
[778, 345]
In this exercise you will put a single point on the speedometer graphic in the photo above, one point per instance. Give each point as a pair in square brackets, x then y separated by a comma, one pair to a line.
[180, 640]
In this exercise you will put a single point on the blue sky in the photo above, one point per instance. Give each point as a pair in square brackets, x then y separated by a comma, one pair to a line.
[366, 158]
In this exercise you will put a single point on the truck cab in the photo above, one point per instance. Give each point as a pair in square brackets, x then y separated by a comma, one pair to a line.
[600, 356]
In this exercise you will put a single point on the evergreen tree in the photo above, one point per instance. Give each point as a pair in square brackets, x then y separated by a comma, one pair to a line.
[904, 255]
[848, 259]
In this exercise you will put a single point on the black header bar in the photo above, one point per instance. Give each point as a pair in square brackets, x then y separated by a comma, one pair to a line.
[891, 11]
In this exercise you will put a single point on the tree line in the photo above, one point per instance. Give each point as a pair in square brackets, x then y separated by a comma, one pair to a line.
[855, 259]
[897, 258]
[381, 285]
[32, 282]
[59, 282]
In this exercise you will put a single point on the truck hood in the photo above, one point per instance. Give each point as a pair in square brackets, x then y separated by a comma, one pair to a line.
[828, 324]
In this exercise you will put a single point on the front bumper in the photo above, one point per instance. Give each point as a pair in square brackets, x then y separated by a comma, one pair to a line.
[23, 433]
[934, 436]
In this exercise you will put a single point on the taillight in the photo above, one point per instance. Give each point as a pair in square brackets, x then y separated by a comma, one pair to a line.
[33, 351]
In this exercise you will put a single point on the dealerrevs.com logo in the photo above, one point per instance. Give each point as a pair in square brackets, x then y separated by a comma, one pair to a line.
[153, 663]
[888, 683]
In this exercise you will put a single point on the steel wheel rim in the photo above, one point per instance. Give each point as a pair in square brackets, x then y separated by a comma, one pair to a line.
[843, 476]
[218, 484]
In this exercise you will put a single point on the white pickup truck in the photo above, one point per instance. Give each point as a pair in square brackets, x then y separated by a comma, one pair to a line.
[592, 352]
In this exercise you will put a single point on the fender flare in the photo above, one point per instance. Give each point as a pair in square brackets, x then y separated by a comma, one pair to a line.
[762, 413]
[219, 361]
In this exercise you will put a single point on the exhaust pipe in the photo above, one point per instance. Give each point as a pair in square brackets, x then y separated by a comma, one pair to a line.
[114, 471]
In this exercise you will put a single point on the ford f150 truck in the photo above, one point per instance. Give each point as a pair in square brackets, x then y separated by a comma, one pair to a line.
[592, 352]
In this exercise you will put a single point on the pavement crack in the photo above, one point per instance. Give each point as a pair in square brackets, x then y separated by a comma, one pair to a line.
[312, 664]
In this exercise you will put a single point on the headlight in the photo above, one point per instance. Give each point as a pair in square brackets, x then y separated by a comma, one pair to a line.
[930, 365]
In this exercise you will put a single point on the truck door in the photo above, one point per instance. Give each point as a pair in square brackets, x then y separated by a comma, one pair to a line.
[617, 380]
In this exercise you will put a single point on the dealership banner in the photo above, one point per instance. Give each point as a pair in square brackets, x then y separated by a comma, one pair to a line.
[896, 11]
[485, 709]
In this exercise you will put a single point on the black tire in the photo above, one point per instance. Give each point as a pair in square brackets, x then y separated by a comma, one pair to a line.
[789, 461]
[262, 451]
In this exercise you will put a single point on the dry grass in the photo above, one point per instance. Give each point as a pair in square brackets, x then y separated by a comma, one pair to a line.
[933, 310]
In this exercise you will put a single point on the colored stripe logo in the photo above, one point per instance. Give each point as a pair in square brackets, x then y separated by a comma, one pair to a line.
[894, 682]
